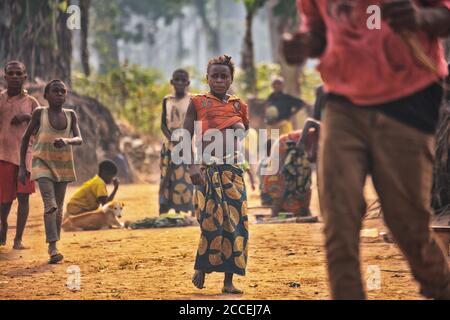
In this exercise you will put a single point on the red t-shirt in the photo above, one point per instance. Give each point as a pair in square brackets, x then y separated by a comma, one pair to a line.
[369, 67]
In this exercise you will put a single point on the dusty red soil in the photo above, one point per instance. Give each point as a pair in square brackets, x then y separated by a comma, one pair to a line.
[158, 263]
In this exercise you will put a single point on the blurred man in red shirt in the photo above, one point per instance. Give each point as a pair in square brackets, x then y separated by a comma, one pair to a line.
[381, 113]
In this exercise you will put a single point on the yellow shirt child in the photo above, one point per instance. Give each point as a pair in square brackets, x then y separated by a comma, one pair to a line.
[93, 192]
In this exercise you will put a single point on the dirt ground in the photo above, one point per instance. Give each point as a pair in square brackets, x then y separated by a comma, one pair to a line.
[286, 261]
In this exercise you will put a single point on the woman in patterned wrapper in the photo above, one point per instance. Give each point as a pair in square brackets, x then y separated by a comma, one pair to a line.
[175, 185]
[220, 199]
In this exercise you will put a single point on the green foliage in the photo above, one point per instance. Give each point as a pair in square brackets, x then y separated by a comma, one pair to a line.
[310, 80]
[265, 73]
[253, 5]
[286, 8]
[135, 94]
[131, 93]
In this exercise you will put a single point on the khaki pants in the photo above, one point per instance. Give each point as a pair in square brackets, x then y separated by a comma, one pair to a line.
[355, 142]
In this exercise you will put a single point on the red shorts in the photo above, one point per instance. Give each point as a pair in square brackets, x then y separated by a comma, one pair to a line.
[9, 183]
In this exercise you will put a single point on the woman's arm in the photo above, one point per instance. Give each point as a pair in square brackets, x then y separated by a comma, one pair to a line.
[189, 121]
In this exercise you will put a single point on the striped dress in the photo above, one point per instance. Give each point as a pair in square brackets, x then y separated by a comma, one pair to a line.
[48, 161]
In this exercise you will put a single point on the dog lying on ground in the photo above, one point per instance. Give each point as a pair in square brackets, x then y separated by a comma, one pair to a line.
[105, 217]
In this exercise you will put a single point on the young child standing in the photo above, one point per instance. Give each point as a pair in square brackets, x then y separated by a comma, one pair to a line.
[55, 130]
[175, 190]
[16, 107]
[220, 199]
[93, 193]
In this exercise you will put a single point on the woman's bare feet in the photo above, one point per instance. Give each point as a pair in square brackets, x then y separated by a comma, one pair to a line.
[231, 289]
[228, 286]
[18, 245]
[198, 279]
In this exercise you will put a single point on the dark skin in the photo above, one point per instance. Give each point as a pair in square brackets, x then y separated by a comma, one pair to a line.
[252, 179]
[401, 15]
[219, 79]
[108, 178]
[15, 77]
[404, 15]
[447, 83]
[278, 87]
[311, 126]
[180, 82]
[56, 98]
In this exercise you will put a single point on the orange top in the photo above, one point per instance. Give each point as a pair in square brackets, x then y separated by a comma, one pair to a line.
[217, 114]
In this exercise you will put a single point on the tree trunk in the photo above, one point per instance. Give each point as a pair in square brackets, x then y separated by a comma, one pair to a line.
[105, 28]
[280, 24]
[441, 172]
[180, 42]
[248, 55]
[211, 31]
[84, 8]
[447, 48]
[36, 34]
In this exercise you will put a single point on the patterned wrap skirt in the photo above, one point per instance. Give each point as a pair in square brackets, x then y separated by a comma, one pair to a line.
[176, 188]
[221, 209]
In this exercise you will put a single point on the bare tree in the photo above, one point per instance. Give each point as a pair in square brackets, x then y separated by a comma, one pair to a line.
[84, 8]
[248, 52]
[36, 33]
[283, 18]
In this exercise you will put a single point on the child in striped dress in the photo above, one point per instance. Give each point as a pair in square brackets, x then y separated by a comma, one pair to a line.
[56, 130]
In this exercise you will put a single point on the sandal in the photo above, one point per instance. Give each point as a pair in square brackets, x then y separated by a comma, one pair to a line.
[54, 259]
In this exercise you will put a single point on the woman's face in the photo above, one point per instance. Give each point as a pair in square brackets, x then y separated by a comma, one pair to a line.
[219, 79]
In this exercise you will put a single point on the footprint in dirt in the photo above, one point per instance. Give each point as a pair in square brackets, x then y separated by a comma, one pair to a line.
[28, 271]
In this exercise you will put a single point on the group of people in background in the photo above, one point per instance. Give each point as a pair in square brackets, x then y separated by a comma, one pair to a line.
[36, 147]
[379, 122]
